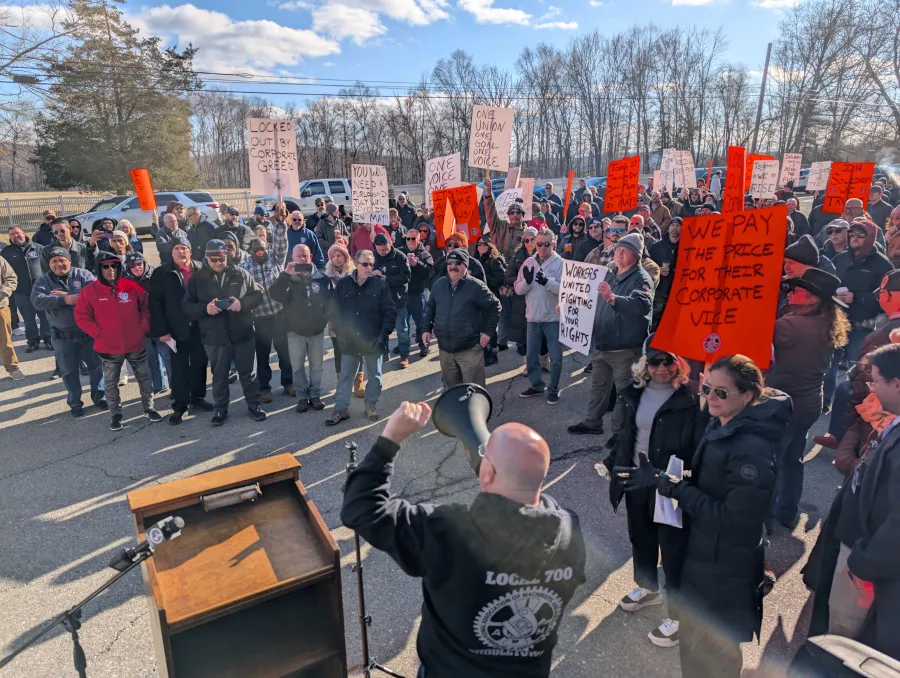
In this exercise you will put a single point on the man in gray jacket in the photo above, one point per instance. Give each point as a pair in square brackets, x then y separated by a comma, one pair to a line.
[167, 237]
[538, 281]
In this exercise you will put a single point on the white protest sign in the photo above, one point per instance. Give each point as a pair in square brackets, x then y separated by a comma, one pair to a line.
[272, 146]
[512, 178]
[490, 137]
[685, 176]
[505, 199]
[818, 176]
[764, 179]
[790, 168]
[527, 186]
[578, 299]
[657, 180]
[667, 169]
[369, 197]
[440, 173]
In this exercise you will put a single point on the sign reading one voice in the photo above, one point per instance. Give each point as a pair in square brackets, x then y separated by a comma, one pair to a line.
[369, 196]
[272, 147]
[725, 291]
[441, 173]
[490, 137]
[578, 303]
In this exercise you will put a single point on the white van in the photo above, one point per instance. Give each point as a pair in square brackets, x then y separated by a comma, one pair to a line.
[338, 189]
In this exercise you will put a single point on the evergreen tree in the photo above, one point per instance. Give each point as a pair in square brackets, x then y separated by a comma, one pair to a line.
[117, 101]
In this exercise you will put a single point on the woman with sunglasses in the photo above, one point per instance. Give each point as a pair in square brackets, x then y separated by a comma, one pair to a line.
[495, 272]
[837, 239]
[513, 325]
[662, 419]
[724, 503]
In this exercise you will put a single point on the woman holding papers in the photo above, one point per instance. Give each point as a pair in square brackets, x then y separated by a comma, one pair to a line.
[662, 423]
[724, 505]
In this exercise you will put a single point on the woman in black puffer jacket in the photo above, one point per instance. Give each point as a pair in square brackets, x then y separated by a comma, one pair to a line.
[516, 326]
[494, 273]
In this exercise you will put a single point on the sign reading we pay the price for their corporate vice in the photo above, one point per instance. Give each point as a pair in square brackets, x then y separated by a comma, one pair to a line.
[272, 146]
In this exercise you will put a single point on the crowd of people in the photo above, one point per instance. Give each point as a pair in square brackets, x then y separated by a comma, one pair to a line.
[228, 291]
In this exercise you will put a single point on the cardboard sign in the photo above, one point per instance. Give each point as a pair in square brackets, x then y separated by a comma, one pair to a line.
[725, 290]
[657, 180]
[442, 172]
[667, 169]
[685, 172]
[143, 188]
[748, 168]
[527, 186]
[463, 201]
[847, 180]
[621, 184]
[503, 201]
[733, 191]
[578, 303]
[764, 180]
[272, 146]
[490, 137]
[369, 196]
[512, 178]
[790, 168]
[818, 176]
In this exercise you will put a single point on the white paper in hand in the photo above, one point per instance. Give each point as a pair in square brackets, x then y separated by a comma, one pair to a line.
[171, 344]
[666, 511]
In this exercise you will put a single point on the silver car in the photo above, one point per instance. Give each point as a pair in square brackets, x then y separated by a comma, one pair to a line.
[118, 207]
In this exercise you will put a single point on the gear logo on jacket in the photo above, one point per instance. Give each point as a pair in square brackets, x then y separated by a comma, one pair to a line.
[315, 287]
[517, 621]
[124, 298]
[32, 254]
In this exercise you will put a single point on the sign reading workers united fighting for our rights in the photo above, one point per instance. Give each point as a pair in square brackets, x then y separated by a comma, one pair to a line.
[272, 146]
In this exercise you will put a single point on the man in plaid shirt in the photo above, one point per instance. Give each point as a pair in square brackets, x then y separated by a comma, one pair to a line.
[265, 263]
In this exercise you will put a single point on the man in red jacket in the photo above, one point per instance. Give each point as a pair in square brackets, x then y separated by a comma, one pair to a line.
[115, 311]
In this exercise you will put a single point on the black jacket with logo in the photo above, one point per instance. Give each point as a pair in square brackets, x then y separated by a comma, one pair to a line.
[458, 317]
[627, 323]
[166, 294]
[395, 267]
[362, 315]
[25, 260]
[306, 301]
[226, 327]
[496, 575]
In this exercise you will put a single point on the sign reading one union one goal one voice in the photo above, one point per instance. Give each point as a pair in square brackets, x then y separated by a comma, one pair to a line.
[272, 148]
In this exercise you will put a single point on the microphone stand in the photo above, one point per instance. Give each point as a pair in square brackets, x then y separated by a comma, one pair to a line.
[365, 620]
[70, 619]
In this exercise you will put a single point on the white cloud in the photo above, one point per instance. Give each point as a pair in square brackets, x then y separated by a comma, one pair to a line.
[228, 45]
[559, 25]
[329, 64]
[340, 22]
[33, 17]
[485, 13]
[774, 4]
[692, 3]
[415, 12]
[552, 11]
[596, 3]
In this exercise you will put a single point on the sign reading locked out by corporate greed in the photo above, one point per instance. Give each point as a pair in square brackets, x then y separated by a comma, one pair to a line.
[490, 138]
[272, 146]
[369, 197]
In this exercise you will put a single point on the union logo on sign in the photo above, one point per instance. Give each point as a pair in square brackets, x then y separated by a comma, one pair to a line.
[712, 343]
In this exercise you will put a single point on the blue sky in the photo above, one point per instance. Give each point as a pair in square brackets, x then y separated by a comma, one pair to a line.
[399, 40]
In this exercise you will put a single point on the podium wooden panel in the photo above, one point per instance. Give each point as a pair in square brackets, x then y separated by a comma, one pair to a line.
[252, 589]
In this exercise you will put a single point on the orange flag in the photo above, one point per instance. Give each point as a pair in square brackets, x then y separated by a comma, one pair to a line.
[449, 224]
[143, 188]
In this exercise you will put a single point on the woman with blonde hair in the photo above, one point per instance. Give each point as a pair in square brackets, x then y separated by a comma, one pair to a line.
[340, 264]
[662, 419]
[128, 229]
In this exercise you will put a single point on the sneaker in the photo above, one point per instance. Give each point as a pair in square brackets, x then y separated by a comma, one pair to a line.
[102, 404]
[640, 598]
[490, 358]
[545, 362]
[371, 413]
[666, 635]
[396, 350]
[232, 377]
[290, 390]
[581, 429]
[265, 396]
[530, 392]
[77, 411]
[404, 363]
[16, 375]
[316, 403]
[176, 418]
[423, 352]
[19, 332]
[257, 412]
[302, 405]
[48, 344]
[55, 375]
[219, 417]
[201, 404]
[153, 416]
[32, 347]
[123, 380]
[337, 417]
[116, 423]
[552, 398]
[588, 368]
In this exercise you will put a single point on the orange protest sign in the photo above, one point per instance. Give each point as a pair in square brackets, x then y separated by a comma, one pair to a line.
[733, 191]
[847, 180]
[463, 202]
[143, 188]
[567, 195]
[725, 290]
[448, 223]
[748, 169]
[622, 184]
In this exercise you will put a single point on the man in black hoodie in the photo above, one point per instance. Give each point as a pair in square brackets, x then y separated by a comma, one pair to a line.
[25, 258]
[392, 266]
[496, 575]
[44, 236]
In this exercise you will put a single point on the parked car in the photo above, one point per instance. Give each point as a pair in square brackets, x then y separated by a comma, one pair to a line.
[339, 189]
[497, 186]
[127, 207]
[800, 184]
[600, 183]
[291, 203]
[701, 173]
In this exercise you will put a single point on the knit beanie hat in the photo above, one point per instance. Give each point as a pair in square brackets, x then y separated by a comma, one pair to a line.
[460, 256]
[804, 251]
[633, 242]
[338, 247]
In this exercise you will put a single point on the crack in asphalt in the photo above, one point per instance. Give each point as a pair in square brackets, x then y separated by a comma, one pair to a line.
[577, 453]
[130, 623]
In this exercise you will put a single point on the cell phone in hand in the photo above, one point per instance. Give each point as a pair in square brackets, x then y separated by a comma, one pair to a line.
[303, 269]
[224, 303]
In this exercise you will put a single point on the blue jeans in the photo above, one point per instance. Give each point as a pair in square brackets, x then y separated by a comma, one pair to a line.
[789, 468]
[839, 410]
[69, 355]
[402, 331]
[350, 365]
[505, 312]
[29, 313]
[158, 356]
[831, 377]
[550, 332]
[415, 306]
[301, 348]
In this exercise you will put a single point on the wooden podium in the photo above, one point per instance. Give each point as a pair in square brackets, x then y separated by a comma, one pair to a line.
[252, 589]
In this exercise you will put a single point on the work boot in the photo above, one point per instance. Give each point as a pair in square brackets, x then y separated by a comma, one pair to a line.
[316, 403]
[371, 413]
[265, 396]
[337, 417]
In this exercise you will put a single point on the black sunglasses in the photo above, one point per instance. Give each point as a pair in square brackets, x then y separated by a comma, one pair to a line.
[666, 360]
[721, 393]
[216, 259]
[296, 221]
[452, 245]
[527, 239]
[413, 237]
[832, 230]
[545, 244]
[365, 264]
[106, 267]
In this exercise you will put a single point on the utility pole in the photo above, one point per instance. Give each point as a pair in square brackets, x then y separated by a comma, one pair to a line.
[762, 94]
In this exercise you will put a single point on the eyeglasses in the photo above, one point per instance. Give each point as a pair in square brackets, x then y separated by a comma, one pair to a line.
[545, 244]
[857, 234]
[615, 231]
[215, 260]
[57, 231]
[452, 245]
[482, 244]
[594, 227]
[106, 267]
[365, 264]
[832, 230]
[527, 239]
[413, 237]
[721, 393]
[297, 221]
[666, 360]
[871, 384]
